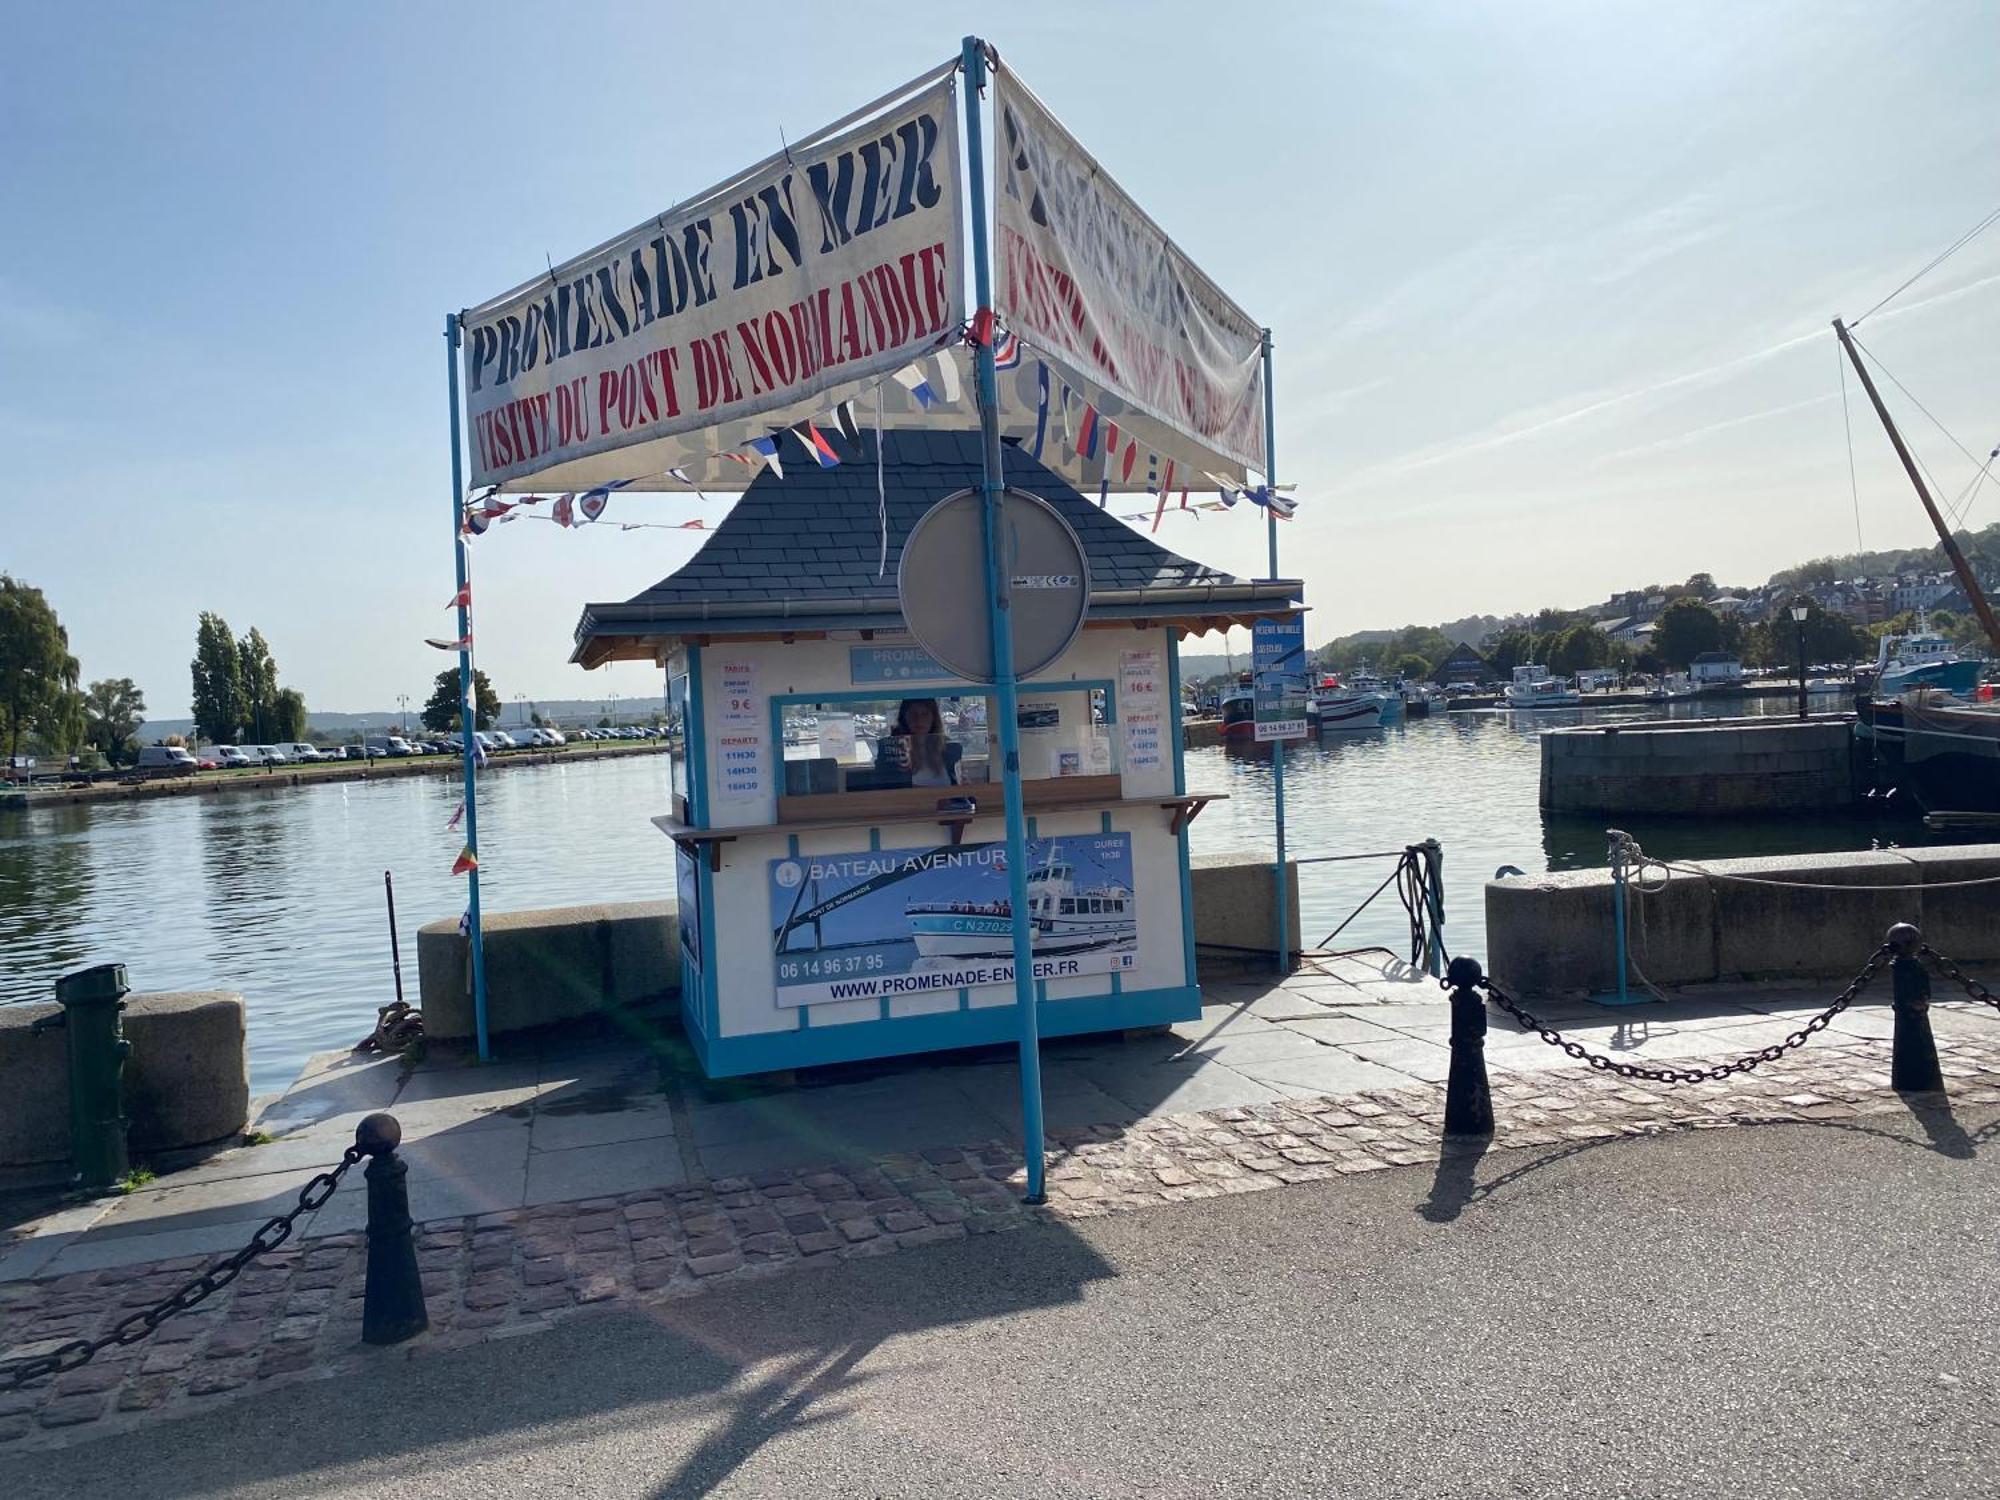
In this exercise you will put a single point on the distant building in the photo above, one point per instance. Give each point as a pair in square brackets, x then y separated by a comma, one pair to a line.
[1923, 592]
[1465, 664]
[1716, 669]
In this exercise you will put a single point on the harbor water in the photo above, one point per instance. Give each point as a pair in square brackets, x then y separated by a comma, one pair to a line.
[278, 893]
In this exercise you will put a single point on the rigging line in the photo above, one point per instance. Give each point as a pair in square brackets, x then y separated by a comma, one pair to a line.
[1971, 457]
[1962, 506]
[1847, 425]
[1946, 254]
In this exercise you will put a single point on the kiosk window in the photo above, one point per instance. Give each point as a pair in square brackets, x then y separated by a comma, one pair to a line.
[862, 745]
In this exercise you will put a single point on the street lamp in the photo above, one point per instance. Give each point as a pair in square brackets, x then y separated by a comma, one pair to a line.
[403, 704]
[1799, 611]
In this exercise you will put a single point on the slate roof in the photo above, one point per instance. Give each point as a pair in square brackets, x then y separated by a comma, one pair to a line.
[802, 552]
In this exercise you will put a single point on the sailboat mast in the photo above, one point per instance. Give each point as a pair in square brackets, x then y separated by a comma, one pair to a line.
[1959, 565]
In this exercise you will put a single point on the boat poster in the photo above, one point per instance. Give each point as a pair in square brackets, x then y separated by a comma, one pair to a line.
[878, 923]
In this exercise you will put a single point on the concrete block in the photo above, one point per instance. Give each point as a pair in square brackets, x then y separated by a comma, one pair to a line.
[1960, 921]
[1235, 900]
[550, 965]
[1555, 935]
[1822, 921]
[187, 1082]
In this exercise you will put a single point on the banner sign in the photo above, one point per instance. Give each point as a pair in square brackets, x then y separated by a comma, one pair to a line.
[1087, 277]
[842, 262]
[887, 922]
[872, 664]
[1278, 683]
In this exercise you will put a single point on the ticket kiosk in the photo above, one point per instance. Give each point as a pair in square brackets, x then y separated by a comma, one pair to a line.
[836, 813]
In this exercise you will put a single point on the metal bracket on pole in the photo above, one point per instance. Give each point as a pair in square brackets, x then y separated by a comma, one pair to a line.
[467, 715]
[973, 58]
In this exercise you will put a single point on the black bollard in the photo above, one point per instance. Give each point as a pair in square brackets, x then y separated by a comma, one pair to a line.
[392, 1303]
[1468, 1102]
[1913, 1060]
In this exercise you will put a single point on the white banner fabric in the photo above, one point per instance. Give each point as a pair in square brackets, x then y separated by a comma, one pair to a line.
[1083, 273]
[838, 265]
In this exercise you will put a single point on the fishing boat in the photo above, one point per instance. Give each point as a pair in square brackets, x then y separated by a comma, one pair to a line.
[1336, 708]
[1922, 659]
[1066, 917]
[1672, 688]
[1533, 687]
[1238, 711]
[1389, 696]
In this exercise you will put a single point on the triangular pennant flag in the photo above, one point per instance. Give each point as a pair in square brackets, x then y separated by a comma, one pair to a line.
[1086, 432]
[462, 599]
[463, 643]
[767, 449]
[564, 515]
[695, 525]
[947, 364]
[477, 521]
[466, 862]
[844, 419]
[1159, 510]
[1006, 352]
[1041, 409]
[465, 924]
[592, 503]
[816, 444]
[452, 826]
[911, 378]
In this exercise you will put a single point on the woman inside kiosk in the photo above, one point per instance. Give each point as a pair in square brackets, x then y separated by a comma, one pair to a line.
[917, 744]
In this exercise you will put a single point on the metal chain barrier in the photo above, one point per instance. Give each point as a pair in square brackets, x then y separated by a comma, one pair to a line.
[130, 1329]
[1741, 1064]
[1974, 990]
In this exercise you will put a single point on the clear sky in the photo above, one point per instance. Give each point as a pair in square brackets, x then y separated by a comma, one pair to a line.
[1550, 282]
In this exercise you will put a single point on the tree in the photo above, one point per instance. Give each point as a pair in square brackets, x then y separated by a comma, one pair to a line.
[1579, 648]
[1511, 649]
[1686, 628]
[288, 713]
[1700, 585]
[1412, 667]
[218, 681]
[444, 712]
[258, 673]
[113, 710]
[37, 674]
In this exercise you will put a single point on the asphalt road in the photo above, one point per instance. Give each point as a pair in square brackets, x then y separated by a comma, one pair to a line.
[1770, 1311]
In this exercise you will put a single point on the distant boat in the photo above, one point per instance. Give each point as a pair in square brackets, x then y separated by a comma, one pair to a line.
[1335, 706]
[1239, 714]
[1672, 689]
[1922, 659]
[1533, 687]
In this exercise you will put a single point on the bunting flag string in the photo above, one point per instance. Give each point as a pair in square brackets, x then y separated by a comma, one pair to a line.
[947, 364]
[1006, 352]
[466, 862]
[881, 491]
[563, 514]
[452, 826]
[816, 444]
[912, 379]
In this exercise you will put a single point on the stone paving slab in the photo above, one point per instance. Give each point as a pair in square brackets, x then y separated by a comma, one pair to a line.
[295, 1313]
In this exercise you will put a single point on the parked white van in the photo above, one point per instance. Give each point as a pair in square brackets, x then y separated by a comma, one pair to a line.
[300, 750]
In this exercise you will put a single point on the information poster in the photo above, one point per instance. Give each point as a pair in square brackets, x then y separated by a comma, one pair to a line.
[742, 767]
[740, 707]
[1278, 662]
[687, 904]
[882, 922]
[1140, 709]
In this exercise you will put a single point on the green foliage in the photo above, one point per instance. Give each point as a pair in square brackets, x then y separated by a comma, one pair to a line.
[258, 676]
[289, 715]
[218, 682]
[1982, 546]
[1511, 649]
[443, 713]
[1578, 648]
[1686, 628]
[38, 676]
[113, 710]
[604, 721]
[1412, 667]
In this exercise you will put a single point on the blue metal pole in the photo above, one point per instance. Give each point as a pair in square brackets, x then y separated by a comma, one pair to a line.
[1277, 746]
[465, 698]
[1618, 916]
[998, 604]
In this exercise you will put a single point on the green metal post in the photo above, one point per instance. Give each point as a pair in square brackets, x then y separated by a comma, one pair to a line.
[93, 1002]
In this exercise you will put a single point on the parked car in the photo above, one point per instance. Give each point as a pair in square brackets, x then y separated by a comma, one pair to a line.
[502, 740]
[166, 760]
[388, 744]
[233, 757]
[353, 752]
[270, 755]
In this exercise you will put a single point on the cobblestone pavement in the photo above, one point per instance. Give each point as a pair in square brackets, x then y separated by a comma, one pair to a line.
[296, 1313]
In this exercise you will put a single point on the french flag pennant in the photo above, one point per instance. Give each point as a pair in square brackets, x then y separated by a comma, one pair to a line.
[911, 378]
[843, 418]
[766, 448]
[495, 508]
[476, 522]
[816, 444]
[1086, 432]
[947, 364]
[1006, 352]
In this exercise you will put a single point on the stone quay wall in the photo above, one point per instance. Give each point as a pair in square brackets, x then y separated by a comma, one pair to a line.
[565, 963]
[1685, 767]
[187, 1081]
[1551, 935]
